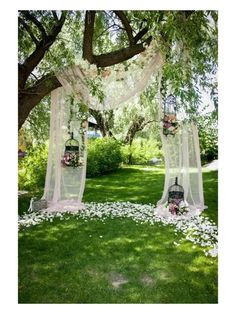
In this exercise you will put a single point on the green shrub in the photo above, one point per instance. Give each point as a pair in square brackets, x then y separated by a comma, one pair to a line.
[208, 138]
[141, 151]
[104, 155]
[32, 169]
[208, 147]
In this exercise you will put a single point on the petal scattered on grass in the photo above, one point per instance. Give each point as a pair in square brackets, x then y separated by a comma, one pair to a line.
[199, 230]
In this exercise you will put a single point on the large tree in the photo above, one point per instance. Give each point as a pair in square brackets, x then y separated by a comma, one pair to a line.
[42, 29]
[50, 40]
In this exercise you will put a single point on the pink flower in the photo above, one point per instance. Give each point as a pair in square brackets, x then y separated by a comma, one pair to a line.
[173, 208]
[167, 125]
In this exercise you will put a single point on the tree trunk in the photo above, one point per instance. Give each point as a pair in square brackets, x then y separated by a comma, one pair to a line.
[137, 125]
[102, 123]
[30, 97]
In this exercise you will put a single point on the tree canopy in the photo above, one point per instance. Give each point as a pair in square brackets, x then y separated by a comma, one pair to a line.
[51, 40]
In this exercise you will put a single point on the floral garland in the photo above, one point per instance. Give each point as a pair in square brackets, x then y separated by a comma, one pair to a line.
[95, 77]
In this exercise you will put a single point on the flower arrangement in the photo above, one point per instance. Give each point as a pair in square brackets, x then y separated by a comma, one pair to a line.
[71, 159]
[170, 124]
[177, 207]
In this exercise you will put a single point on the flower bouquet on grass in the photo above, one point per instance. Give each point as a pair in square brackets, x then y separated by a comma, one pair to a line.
[177, 207]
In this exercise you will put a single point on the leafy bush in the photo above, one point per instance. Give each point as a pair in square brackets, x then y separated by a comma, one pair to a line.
[32, 169]
[209, 146]
[141, 151]
[208, 138]
[104, 155]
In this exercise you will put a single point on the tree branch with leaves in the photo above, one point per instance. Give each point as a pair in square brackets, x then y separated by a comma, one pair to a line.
[31, 94]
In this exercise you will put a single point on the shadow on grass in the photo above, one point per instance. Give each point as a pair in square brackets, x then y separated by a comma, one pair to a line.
[128, 184]
[140, 185]
[210, 188]
[75, 261]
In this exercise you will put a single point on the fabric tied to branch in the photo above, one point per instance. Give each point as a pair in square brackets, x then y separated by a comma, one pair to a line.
[64, 186]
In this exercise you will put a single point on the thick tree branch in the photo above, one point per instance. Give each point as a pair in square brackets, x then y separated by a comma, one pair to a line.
[30, 97]
[55, 16]
[33, 60]
[88, 36]
[121, 55]
[29, 31]
[33, 19]
[113, 57]
[140, 34]
[126, 25]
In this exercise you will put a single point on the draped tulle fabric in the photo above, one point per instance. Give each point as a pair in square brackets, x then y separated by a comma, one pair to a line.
[64, 186]
[182, 160]
[116, 90]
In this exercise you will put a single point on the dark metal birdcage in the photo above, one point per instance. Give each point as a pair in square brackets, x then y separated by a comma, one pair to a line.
[175, 193]
[71, 157]
[170, 105]
[170, 124]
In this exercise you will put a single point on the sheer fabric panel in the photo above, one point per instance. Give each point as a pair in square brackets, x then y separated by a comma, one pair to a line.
[116, 90]
[182, 160]
[64, 186]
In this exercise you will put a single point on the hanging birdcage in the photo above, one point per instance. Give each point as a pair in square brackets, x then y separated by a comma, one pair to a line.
[170, 124]
[175, 196]
[71, 157]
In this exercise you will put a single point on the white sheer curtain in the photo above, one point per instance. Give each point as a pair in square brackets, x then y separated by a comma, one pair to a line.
[116, 90]
[182, 160]
[64, 186]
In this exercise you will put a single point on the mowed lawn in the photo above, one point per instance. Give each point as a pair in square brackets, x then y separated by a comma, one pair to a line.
[116, 260]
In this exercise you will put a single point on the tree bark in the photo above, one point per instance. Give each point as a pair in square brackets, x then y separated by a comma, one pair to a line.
[126, 25]
[117, 56]
[102, 124]
[121, 55]
[29, 97]
[43, 46]
[88, 36]
[133, 129]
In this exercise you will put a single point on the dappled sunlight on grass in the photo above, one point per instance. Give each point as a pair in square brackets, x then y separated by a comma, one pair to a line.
[117, 260]
[76, 258]
[128, 184]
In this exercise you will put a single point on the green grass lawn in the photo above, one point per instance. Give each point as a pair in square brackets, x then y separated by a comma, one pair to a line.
[116, 260]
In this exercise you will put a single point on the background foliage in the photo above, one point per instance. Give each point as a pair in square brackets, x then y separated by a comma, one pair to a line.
[208, 137]
[104, 155]
[32, 169]
[141, 151]
[187, 40]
